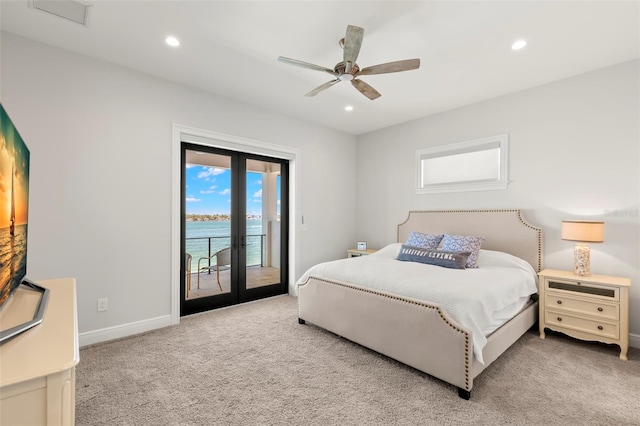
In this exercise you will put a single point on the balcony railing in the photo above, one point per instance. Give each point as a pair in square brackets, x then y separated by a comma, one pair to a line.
[199, 247]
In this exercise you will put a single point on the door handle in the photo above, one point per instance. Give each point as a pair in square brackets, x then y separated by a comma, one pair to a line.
[235, 242]
[242, 242]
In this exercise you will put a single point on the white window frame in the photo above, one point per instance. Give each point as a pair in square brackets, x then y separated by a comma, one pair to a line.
[476, 145]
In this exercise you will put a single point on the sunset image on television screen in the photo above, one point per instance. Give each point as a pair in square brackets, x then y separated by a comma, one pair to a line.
[14, 201]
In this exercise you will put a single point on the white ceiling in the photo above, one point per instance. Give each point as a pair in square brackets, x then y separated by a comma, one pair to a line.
[230, 49]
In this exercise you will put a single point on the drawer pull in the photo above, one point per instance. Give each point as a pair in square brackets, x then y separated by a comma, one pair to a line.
[559, 302]
[600, 309]
[559, 319]
[600, 328]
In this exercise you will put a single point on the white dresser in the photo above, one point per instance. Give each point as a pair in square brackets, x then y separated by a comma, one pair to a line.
[594, 307]
[37, 367]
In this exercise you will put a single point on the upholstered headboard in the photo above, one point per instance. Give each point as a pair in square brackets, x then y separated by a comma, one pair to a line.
[504, 230]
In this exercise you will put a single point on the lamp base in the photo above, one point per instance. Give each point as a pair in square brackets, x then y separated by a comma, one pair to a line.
[582, 260]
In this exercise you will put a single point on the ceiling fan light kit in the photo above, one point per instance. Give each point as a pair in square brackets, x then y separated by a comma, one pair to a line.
[348, 69]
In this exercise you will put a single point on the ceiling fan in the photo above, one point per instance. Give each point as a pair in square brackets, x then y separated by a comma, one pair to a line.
[348, 70]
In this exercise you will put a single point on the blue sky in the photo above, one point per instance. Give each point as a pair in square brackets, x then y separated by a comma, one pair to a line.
[209, 190]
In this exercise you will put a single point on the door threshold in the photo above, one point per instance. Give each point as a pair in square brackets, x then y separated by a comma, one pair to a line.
[237, 304]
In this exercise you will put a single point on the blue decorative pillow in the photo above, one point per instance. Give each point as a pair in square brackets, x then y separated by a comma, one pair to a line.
[464, 243]
[447, 259]
[428, 241]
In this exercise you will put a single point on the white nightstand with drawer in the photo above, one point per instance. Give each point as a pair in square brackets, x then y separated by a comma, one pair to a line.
[358, 253]
[594, 307]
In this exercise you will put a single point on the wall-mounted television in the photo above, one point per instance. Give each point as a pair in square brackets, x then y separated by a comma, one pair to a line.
[14, 217]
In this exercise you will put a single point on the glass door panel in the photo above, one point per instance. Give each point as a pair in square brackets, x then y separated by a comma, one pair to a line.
[263, 223]
[207, 230]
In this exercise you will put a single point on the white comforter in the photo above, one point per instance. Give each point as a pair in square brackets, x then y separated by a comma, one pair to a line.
[481, 299]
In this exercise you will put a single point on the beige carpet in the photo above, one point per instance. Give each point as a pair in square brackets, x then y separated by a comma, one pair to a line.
[254, 364]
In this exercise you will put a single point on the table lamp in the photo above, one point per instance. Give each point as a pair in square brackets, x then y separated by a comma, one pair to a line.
[583, 232]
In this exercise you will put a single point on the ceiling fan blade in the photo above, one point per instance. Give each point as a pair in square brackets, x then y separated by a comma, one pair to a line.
[365, 89]
[323, 87]
[352, 44]
[306, 65]
[397, 66]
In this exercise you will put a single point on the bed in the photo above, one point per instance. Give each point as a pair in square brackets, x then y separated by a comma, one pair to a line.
[419, 333]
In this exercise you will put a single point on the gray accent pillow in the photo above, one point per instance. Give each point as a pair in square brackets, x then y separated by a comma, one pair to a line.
[428, 241]
[447, 259]
[464, 243]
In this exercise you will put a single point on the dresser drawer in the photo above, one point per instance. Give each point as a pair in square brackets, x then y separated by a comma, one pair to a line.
[563, 303]
[587, 289]
[595, 327]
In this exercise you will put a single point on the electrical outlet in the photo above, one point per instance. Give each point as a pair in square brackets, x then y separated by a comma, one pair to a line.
[103, 304]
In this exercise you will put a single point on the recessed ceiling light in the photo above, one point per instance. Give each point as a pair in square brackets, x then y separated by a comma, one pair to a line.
[348, 108]
[518, 44]
[172, 41]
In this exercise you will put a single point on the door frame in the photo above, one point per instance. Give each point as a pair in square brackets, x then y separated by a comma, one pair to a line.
[214, 139]
[238, 165]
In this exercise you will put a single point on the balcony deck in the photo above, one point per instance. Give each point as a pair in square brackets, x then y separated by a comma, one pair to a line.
[257, 276]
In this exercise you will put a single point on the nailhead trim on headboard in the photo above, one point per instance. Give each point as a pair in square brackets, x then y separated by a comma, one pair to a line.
[518, 212]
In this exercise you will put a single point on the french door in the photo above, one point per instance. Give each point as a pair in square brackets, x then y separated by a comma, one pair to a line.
[234, 227]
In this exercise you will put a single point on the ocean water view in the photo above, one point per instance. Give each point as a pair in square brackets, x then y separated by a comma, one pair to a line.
[13, 259]
[216, 233]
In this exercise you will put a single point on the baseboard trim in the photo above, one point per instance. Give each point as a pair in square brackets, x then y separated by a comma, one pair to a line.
[634, 340]
[124, 330]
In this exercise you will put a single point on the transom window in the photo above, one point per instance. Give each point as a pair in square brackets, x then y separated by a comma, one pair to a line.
[475, 165]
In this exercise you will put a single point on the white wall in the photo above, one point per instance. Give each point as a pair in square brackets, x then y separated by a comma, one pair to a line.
[574, 153]
[100, 141]
[100, 190]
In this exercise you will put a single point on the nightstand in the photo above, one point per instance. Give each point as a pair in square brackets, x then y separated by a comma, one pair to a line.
[594, 307]
[358, 253]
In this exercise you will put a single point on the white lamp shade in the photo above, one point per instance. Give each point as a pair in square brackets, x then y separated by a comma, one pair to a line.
[583, 231]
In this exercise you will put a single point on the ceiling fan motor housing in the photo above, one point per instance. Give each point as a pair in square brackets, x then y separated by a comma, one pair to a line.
[341, 67]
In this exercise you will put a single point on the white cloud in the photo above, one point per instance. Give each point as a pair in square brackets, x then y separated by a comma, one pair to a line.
[258, 194]
[225, 192]
[207, 191]
[210, 171]
[192, 200]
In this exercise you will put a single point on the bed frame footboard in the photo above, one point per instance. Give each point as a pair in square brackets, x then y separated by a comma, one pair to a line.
[404, 329]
